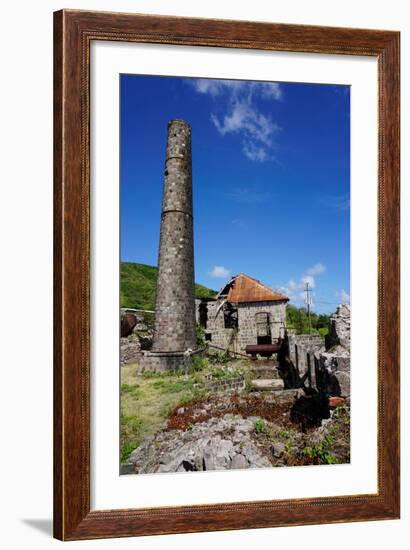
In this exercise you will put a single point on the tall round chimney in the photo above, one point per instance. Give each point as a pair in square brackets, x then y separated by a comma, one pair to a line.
[175, 295]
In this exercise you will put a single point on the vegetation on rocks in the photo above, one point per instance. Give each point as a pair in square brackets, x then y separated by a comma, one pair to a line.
[181, 405]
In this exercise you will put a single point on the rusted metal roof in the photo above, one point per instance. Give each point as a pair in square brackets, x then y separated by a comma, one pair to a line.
[243, 288]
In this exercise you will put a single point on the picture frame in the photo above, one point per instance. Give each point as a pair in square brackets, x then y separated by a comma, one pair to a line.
[74, 32]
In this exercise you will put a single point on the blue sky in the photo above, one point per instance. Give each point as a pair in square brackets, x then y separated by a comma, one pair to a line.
[271, 165]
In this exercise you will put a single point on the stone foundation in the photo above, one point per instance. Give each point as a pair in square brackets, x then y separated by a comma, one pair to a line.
[157, 361]
[226, 386]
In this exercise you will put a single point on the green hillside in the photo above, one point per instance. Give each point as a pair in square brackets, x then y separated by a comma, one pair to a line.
[138, 283]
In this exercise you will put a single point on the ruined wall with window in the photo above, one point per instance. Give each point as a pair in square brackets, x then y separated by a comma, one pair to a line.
[219, 323]
[261, 323]
[235, 326]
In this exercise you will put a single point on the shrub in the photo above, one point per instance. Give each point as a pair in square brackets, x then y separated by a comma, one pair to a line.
[200, 336]
[199, 363]
[321, 451]
[220, 357]
[260, 426]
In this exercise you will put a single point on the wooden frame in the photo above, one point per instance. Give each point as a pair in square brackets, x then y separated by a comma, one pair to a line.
[74, 31]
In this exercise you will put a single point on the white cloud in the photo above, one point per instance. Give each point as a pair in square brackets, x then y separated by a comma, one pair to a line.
[317, 269]
[293, 285]
[295, 289]
[343, 296]
[270, 90]
[220, 271]
[266, 90]
[253, 152]
[216, 87]
[242, 116]
[308, 279]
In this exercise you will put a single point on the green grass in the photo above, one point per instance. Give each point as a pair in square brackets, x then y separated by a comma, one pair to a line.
[147, 400]
[131, 433]
[132, 390]
[281, 433]
[173, 386]
[138, 282]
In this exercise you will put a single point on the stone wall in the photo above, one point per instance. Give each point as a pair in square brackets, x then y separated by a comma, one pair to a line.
[226, 386]
[324, 363]
[161, 362]
[221, 336]
[246, 333]
[302, 349]
[339, 328]
[333, 365]
[197, 305]
[333, 372]
[247, 321]
[130, 350]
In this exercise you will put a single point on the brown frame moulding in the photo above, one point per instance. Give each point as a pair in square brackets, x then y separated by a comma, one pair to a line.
[73, 33]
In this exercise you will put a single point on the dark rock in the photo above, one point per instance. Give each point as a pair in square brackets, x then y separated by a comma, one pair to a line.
[310, 411]
[188, 466]
[128, 323]
[145, 343]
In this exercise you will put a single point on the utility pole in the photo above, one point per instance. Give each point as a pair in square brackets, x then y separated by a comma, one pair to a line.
[308, 302]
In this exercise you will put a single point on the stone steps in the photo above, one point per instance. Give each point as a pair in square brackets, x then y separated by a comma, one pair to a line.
[267, 384]
[266, 377]
[265, 372]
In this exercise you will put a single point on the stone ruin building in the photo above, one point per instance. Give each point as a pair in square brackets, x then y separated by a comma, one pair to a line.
[174, 338]
[322, 363]
[244, 313]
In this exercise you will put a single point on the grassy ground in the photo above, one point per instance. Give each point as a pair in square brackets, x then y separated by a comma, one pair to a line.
[147, 399]
[146, 402]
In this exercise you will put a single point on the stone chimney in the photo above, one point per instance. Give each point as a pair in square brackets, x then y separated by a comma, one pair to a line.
[175, 323]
